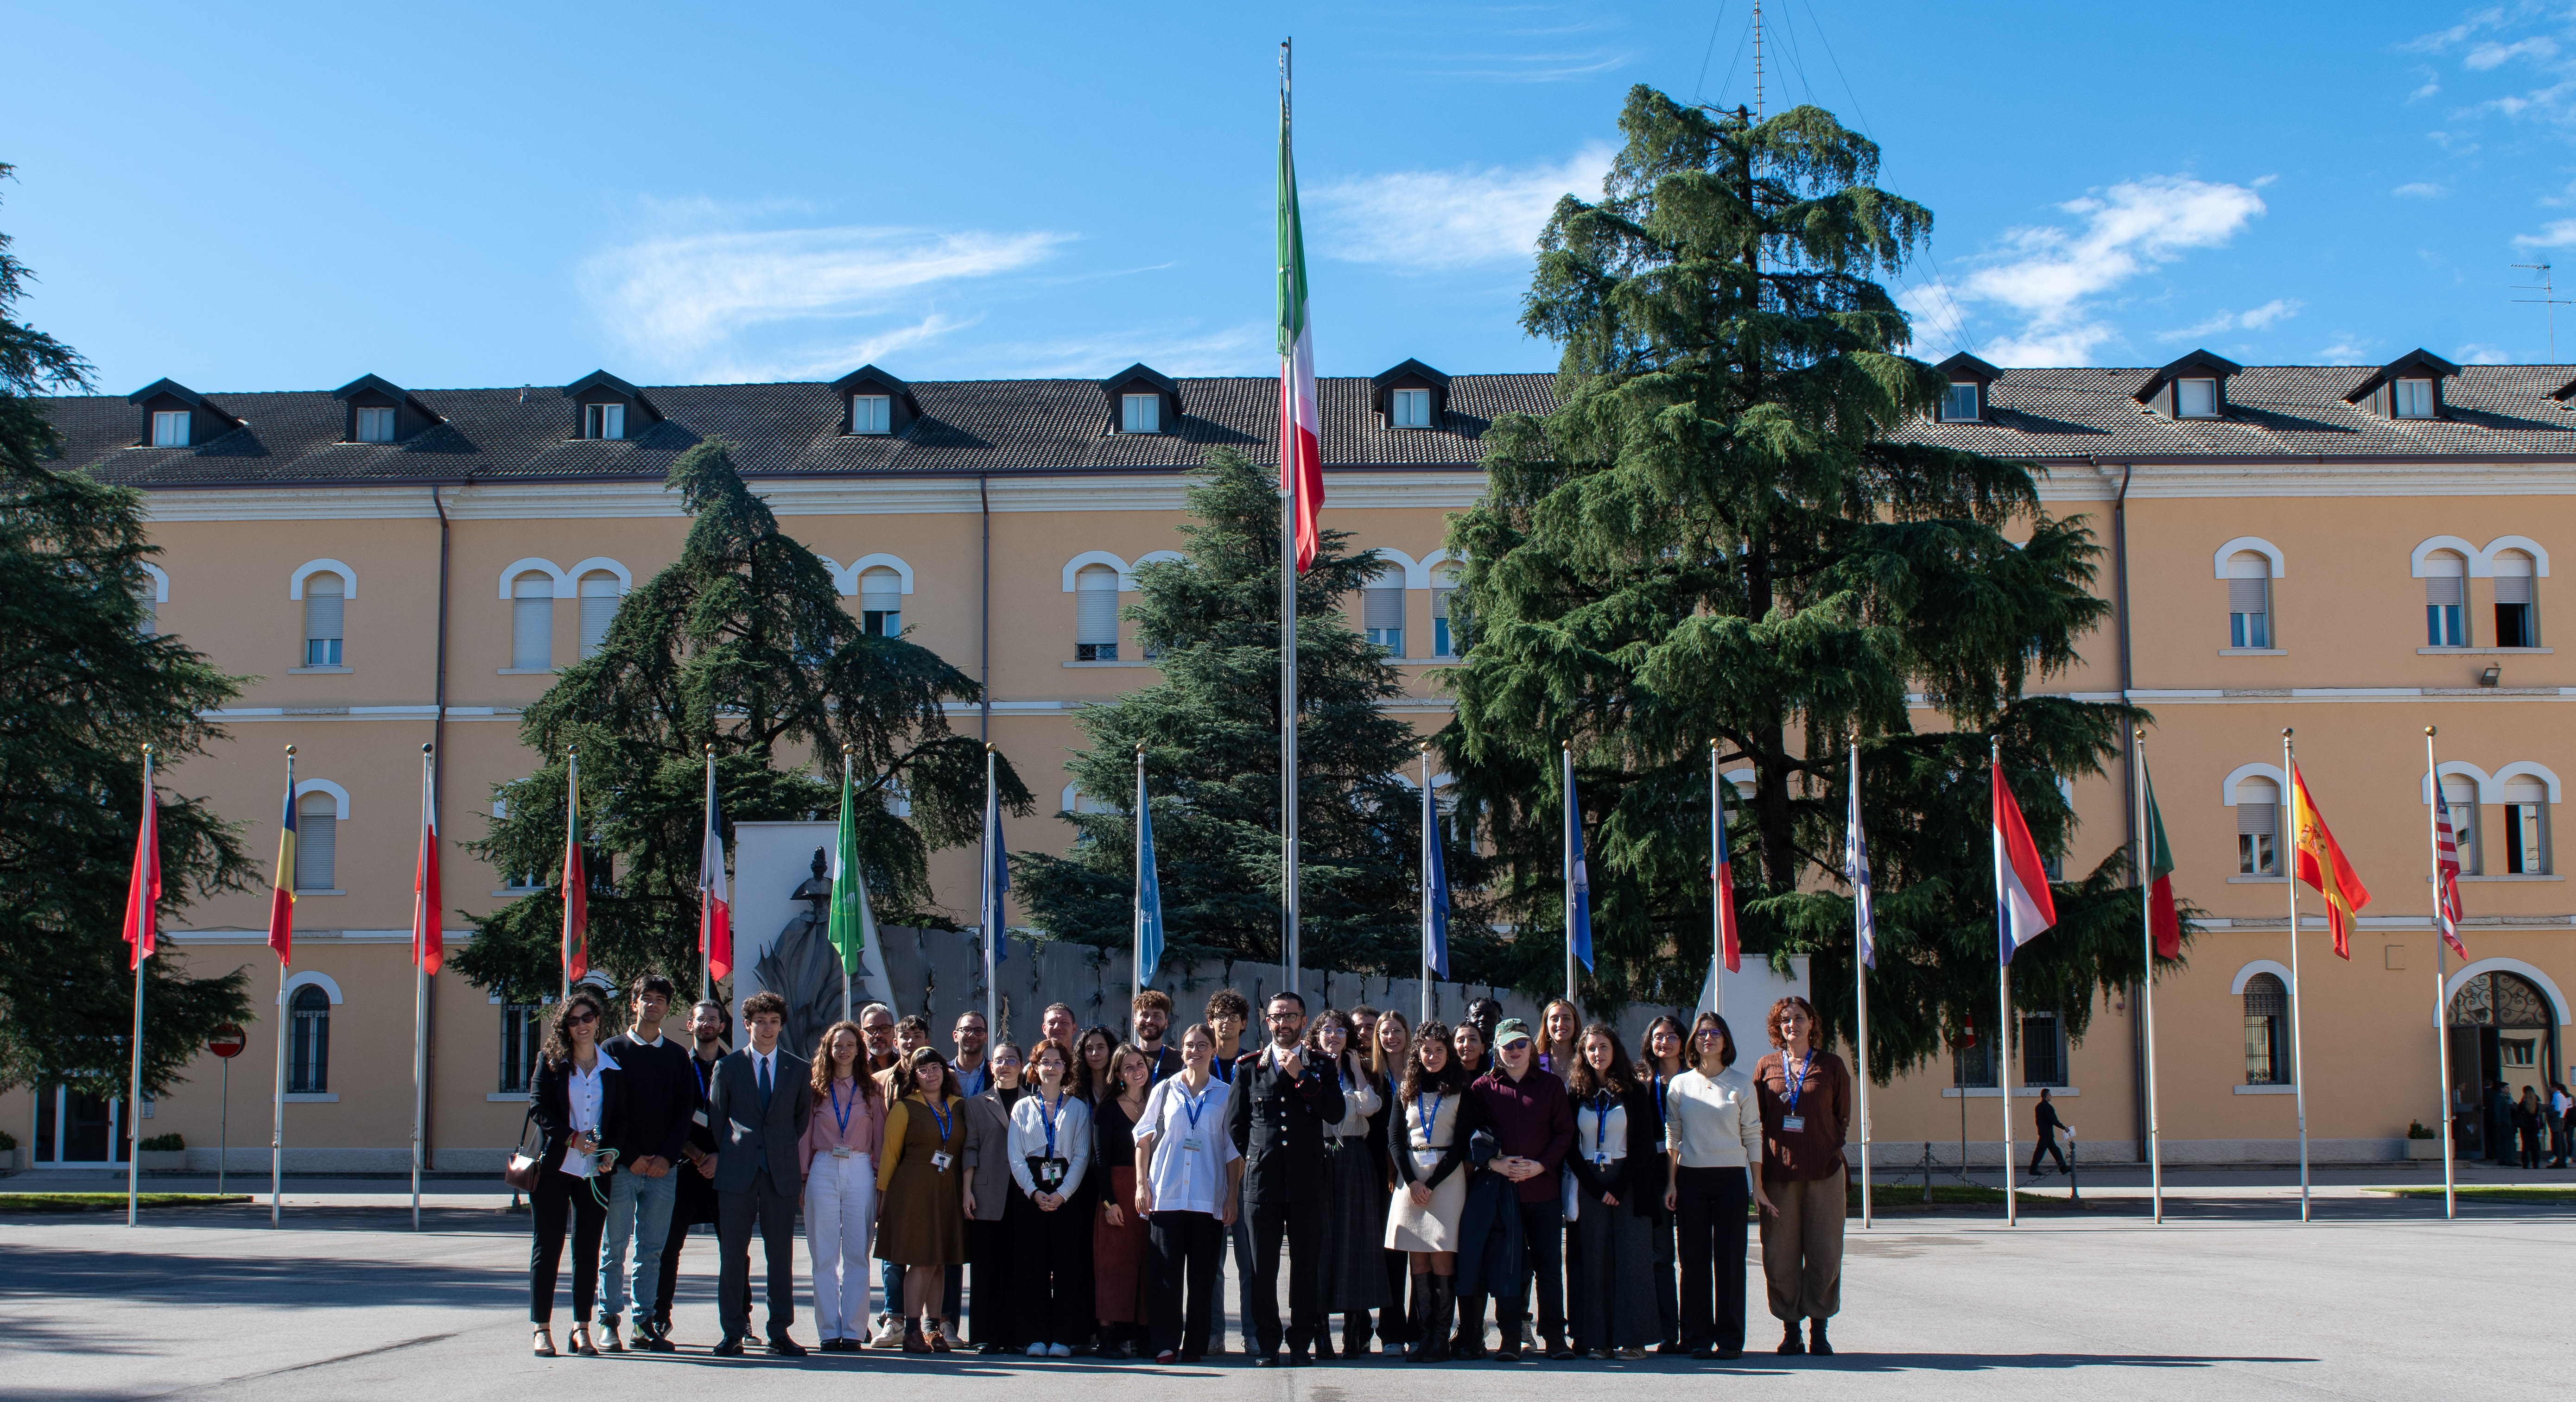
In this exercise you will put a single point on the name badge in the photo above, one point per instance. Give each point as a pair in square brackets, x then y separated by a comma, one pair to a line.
[1601, 1161]
[1193, 1146]
[840, 1151]
[700, 1116]
[1051, 1172]
[1793, 1124]
[939, 1162]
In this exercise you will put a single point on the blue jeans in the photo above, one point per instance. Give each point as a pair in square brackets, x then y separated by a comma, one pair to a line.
[639, 1215]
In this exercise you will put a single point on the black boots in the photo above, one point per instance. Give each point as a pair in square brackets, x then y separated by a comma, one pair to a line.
[1355, 1336]
[1790, 1342]
[1469, 1341]
[1817, 1343]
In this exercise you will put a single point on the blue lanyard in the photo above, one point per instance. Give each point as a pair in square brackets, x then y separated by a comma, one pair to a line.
[1661, 1114]
[1196, 1105]
[844, 1115]
[1427, 1120]
[1048, 1113]
[1600, 1122]
[939, 1118]
[1798, 1082]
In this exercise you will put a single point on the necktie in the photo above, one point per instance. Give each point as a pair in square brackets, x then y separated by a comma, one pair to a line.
[764, 1085]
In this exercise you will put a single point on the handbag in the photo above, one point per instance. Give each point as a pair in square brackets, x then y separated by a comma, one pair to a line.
[527, 1161]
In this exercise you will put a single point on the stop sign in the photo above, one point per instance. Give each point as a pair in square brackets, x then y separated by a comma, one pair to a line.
[227, 1041]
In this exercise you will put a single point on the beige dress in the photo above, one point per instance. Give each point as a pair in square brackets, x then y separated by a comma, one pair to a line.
[1433, 1227]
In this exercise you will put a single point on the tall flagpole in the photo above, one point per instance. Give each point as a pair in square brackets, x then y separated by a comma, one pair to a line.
[706, 956]
[134, 1101]
[992, 912]
[849, 974]
[1288, 708]
[1136, 942]
[2147, 985]
[1860, 989]
[2441, 981]
[277, 1105]
[1568, 860]
[1716, 893]
[2003, 995]
[1430, 834]
[2298, 1055]
[572, 834]
[420, 1007]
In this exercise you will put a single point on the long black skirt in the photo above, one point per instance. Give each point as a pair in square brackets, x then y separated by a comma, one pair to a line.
[1354, 1229]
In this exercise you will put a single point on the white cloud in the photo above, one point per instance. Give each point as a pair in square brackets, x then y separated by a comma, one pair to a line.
[2050, 276]
[2494, 55]
[2421, 190]
[2489, 18]
[683, 299]
[2346, 349]
[2475, 353]
[1182, 349]
[2255, 320]
[1434, 220]
[2558, 234]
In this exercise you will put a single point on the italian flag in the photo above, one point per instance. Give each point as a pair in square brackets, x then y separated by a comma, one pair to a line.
[1301, 453]
[852, 926]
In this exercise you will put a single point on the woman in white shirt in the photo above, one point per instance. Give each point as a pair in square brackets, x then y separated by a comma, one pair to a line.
[576, 1104]
[1186, 1171]
[1713, 1130]
[1050, 1147]
[1610, 1249]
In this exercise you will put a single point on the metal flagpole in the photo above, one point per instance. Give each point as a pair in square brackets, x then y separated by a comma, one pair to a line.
[2298, 1057]
[277, 1105]
[1860, 988]
[992, 912]
[1288, 709]
[2003, 994]
[2147, 985]
[850, 975]
[572, 833]
[1716, 895]
[2441, 981]
[1136, 941]
[420, 1010]
[1430, 834]
[134, 1101]
[706, 956]
[1567, 750]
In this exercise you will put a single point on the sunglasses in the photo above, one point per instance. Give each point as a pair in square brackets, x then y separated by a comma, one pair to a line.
[578, 1019]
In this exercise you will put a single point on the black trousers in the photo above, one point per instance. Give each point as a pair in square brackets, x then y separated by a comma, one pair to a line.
[988, 1250]
[1182, 1249]
[1050, 1253]
[562, 1200]
[1710, 1222]
[692, 1204]
[1668, 1299]
[1543, 1255]
[2049, 1148]
[774, 1213]
[1301, 1221]
[1395, 1321]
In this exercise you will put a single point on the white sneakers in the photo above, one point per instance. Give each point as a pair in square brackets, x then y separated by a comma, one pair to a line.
[1050, 1351]
[1037, 1350]
[889, 1332]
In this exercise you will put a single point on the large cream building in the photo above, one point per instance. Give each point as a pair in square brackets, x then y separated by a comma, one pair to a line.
[2355, 553]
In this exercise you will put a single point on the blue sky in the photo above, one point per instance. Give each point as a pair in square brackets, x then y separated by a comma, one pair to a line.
[279, 196]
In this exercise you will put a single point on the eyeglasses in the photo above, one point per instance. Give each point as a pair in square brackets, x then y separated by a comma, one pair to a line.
[578, 1019]
[1282, 1017]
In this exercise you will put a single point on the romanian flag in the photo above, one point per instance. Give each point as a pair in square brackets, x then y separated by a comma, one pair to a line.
[576, 888]
[428, 941]
[2163, 921]
[143, 889]
[2323, 868]
[281, 899]
[1301, 454]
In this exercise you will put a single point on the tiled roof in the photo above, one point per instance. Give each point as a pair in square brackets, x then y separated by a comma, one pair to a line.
[2272, 411]
[780, 430]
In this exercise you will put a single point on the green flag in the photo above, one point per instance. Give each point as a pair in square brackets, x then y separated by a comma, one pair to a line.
[852, 926]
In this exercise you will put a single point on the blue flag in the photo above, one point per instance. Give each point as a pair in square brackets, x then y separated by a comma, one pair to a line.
[1856, 872]
[997, 870]
[1577, 879]
[1149, 894]
[1435, 888]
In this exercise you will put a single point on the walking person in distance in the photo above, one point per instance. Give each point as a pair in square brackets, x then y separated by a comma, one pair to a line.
[2045, 1121]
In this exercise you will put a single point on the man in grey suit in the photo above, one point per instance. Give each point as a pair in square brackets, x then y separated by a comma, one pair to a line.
[758, 1102]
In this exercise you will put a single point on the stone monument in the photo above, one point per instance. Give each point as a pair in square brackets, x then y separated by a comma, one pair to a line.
[803, 967]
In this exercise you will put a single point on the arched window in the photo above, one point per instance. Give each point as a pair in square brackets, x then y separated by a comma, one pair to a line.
[2267, 1031]
[2446, 585]
[532, 622]
[2525, 812]
[2249, 599]
[881, 602]
[1095, 614]
[1448, 621]
[326, 598]
[600, 592]
[2258, 827]
[2460, 792]
[317, 842]
[308, 1058]
[1382, 611]
[2517, 617]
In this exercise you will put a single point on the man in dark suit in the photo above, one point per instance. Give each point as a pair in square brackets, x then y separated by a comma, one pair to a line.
[1282, 1104]
[759, 1102]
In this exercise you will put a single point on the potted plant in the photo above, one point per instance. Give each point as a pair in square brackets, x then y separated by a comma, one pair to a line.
[162, 1153]
[8, 1152]
[2422, 1143]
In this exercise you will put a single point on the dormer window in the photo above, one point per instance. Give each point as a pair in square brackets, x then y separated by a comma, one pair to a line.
[2195, 399]
[375, 425]
[1412, 408]
[603, 421]
[871, 413]
[1140, 413]
[1959, 404]
[170, 428]
[2414, 399]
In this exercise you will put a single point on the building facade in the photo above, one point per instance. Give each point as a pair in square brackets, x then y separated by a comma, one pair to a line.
[2354, 553]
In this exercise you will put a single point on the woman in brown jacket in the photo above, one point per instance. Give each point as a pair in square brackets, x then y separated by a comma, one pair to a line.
[1805, 1097]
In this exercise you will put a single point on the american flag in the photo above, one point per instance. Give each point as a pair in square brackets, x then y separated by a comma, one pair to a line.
[2446, 874]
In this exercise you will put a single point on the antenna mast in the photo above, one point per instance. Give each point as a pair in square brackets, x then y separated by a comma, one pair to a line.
[2548, 300]
[1757, 60]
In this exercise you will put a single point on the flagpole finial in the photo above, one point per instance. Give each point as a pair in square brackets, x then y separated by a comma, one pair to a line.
[2285, 732]
[849, 749]
[290, 751]
[1712, 742]
[424, 749]
[1424, 747]
[991, 748]
[2428, 732]
[147, 749]
[2138, 734]
[711, 749]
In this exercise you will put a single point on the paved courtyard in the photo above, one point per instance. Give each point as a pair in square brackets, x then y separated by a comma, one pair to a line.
[2378, 1299]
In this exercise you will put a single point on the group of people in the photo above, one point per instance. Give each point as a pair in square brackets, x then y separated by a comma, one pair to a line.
[2529, 1131]
[1087, 1186]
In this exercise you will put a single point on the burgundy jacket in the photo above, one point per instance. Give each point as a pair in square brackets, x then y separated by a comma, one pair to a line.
[1530, 1119]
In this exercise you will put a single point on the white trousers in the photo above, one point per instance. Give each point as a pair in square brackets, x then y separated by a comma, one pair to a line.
[840, 1217]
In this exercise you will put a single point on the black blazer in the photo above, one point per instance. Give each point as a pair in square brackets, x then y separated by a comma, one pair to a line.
[551, 1107]
[1279, 1125]
[1637, 1180]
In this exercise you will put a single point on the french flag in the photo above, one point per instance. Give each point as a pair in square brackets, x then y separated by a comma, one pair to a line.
[2024, 907]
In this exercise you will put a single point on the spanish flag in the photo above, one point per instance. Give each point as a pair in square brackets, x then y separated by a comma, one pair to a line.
[2322, 866]
[281, 900]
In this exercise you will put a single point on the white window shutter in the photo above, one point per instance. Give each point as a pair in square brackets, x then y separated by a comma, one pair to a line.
[532, 622]
[2258, 807]
[1382, 607]
[880, 590]
[1095, 605]
[2443, 590]
[600, 595]
[325, 606]
[317, 843]
[2245, 596]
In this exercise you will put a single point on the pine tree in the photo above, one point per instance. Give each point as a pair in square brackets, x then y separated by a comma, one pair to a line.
[1210, 729]
[86, 689]
[1718, 534]
[742, 643]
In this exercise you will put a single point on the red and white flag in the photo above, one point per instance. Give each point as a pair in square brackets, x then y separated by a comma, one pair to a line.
[428, 941]
[576, 882]
[2446, 873]
[715, 908]
[143, 889]
[2025, 907]
[1301, 452]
